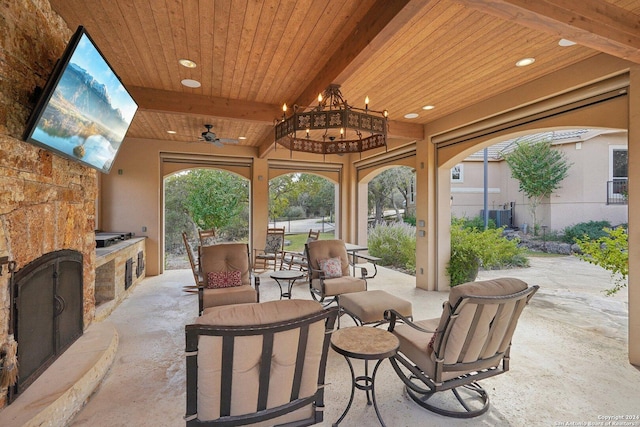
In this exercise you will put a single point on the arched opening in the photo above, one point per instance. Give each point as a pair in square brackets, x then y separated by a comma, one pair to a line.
[300, 202]
[203, 198]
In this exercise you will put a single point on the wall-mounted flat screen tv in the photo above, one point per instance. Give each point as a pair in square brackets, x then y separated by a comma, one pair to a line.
[84, 111]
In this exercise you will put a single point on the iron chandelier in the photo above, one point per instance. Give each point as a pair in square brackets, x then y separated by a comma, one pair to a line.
[332, 127]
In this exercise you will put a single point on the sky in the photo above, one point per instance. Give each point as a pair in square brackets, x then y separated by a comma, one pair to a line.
[87, 57]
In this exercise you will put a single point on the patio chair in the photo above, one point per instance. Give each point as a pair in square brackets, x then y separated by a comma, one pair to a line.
[226, 276]
[206, 236]
[195, 269]
[271, 255]
[469, 342]
[298, 260]
[330, 271]
[258, 363]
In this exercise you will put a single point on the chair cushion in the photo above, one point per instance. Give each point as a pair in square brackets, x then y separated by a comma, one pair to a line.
[340, 285]
[331, 267]
[495, 287]
[370, 306]
[414, 344]
[223, 279]
[324, 249]
[226, 257]
[225, 296]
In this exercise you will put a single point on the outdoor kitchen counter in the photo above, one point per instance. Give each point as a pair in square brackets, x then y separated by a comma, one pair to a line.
[119, 267]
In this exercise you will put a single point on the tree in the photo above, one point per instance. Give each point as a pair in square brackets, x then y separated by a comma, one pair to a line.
[215, 198]
[385, 188]
[610, 252]
[539, 169]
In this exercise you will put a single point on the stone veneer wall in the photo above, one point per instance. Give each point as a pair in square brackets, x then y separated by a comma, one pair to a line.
[47, 203]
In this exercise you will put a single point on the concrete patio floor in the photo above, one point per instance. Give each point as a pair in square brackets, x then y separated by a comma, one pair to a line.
[569, 361]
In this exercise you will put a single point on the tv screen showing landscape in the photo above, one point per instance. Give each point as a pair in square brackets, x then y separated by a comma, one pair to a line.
[85, 110]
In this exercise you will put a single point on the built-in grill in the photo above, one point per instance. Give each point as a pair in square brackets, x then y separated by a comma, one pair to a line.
[48, 312]
[108, 238]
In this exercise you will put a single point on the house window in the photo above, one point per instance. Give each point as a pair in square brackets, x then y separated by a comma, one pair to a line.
[619, 163]
[457, 173]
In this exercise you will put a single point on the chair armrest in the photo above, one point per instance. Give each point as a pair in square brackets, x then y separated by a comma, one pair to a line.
[393, 316]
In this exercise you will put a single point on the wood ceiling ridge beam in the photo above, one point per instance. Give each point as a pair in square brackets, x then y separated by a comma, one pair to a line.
[382, 20]
[164, 101]
[591, 23]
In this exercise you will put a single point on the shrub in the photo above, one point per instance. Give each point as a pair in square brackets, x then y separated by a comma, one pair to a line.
[411, 220]
[295, 212]
[394, 244]
[476, 222]
[610, 252]
[592, 229]
[472, 248]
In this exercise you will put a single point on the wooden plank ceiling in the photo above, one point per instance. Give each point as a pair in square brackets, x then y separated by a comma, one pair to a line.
[252, 56]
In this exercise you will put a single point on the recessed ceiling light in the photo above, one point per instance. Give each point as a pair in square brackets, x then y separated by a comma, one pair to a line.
[242, 137]
[187, 63]
[525, 61]
[428, 107]
[172, 132]
[191, 83]
[411, 116]
[565, 42]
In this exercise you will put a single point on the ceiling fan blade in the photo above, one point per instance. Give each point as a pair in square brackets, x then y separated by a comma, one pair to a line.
[218, 143]
[228, 140]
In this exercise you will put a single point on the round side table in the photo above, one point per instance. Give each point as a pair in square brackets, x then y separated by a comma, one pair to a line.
[290, 276]
[364, 343]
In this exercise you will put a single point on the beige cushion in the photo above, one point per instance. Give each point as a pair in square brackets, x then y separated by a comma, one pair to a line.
[370, 306]
[340, 285]
[414, 343]
[225, 296]
[247, 352]
[226, 257]
[495, 287]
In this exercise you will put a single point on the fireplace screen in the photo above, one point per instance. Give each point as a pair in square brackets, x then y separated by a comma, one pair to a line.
[48, 312]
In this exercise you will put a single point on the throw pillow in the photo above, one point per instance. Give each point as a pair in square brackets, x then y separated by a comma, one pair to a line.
[331, 267]
[223, 279]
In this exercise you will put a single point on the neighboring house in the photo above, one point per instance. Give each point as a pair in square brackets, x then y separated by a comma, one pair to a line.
[595, 189]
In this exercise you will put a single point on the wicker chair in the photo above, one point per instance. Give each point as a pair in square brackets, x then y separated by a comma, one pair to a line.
[261, 364]
[469, 342]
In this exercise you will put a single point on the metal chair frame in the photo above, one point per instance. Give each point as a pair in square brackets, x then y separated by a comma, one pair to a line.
[228, 334]
[421, 387]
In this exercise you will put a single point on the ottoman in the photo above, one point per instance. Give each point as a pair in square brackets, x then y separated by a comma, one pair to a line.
[369, 306]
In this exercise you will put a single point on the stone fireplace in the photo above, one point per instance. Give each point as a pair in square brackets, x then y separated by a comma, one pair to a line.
[47, 203]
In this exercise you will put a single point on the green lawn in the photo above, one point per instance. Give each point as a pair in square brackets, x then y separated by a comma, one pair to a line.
[298, 241]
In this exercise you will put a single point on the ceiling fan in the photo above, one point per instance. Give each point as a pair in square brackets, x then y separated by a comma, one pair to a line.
[212, 138]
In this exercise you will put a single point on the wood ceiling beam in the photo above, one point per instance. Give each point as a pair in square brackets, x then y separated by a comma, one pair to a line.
[382, 20]
[593, 23]
[163, 101]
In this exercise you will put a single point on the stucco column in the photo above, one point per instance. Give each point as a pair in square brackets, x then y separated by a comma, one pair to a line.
[426, 268]
[634, 220]
[259, 203]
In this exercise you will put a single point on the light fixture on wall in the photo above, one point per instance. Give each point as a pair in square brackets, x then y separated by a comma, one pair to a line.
[332, 127]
